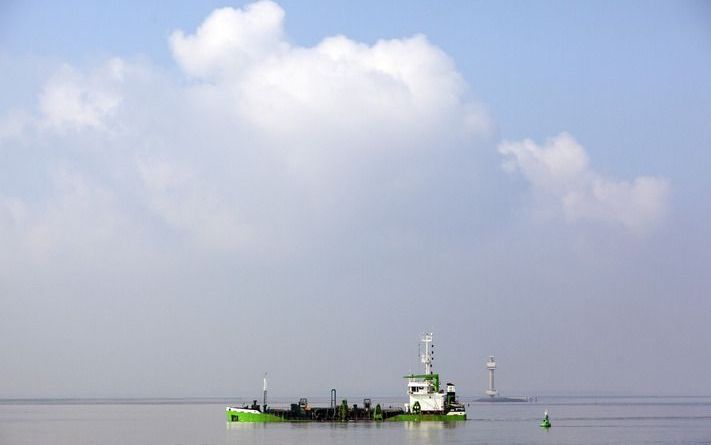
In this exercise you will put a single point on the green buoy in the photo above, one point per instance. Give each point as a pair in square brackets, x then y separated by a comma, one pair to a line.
[545, 423]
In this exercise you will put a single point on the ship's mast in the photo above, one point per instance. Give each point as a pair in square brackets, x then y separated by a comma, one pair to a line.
[428, 356]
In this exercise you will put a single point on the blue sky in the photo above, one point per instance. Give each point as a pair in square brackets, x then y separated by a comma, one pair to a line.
[526, 173]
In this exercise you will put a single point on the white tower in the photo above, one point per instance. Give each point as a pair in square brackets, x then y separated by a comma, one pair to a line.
[491, 365]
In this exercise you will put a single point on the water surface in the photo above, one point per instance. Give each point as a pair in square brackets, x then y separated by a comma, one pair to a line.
[610, 420]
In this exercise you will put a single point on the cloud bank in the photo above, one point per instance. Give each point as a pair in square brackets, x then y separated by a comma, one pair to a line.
[260, 131]
[561, 177]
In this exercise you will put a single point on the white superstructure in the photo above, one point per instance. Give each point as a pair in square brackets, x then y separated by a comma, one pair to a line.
[423, 393]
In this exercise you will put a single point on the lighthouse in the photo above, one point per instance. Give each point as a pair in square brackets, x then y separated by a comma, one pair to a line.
[491, 365]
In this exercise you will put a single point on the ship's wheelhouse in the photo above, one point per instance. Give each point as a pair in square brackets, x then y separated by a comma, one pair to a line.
[421, 387]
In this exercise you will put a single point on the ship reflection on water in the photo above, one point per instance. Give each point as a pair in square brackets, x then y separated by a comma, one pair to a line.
[414, 428]
[429, 432]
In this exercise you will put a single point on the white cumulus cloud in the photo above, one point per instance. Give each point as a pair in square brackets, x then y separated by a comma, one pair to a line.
[257, 143]
[339, 90]
[560, 174]
[229, 39]
[72, 101]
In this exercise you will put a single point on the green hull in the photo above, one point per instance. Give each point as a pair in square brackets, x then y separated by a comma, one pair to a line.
[235, 416]
[426, 418]
[252, 416]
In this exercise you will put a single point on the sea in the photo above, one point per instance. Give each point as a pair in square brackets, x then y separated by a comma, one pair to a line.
[576, 421]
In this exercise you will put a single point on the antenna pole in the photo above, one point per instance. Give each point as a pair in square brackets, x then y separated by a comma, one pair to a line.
[426, 357]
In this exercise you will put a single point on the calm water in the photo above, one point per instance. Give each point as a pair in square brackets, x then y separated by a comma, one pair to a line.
[575, 421]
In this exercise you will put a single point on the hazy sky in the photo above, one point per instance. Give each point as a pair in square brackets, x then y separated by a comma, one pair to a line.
[193, 194]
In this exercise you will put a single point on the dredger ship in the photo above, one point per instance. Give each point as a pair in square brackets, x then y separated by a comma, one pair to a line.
[427, 401]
